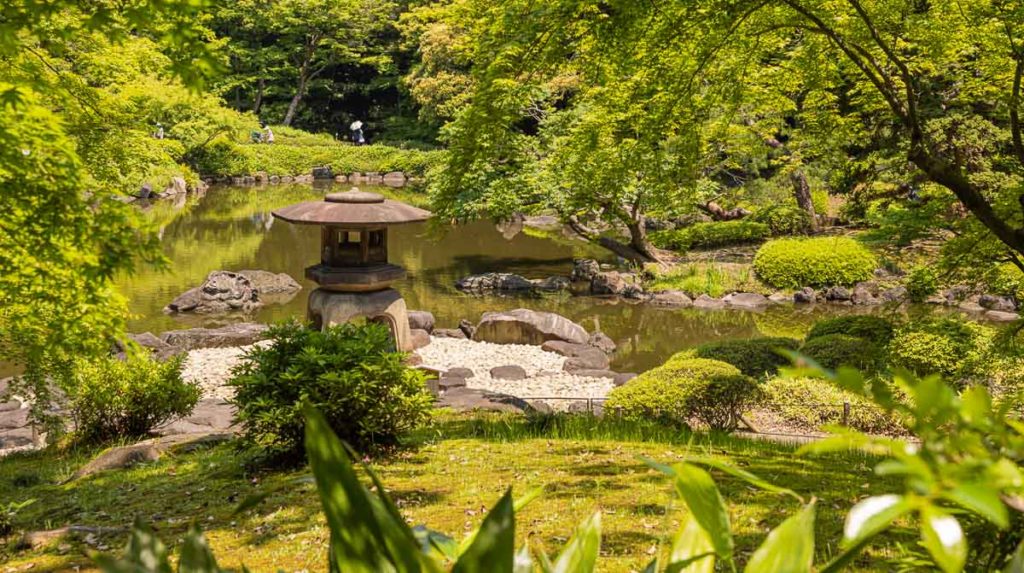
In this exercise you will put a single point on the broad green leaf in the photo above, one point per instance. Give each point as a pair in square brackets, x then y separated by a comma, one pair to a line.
[250, 502]
[692, 551]
[144, 553]
[745, 476]
[789, 548]
[580, 553]
[493, 548]
[872, 516]
[434, 541]
[196, 556]
[1016, 564]
[981, 499]
[942, 536]
[363, 536]
[518, 504]
[663, 468]
[976, 405]
[706, 505]
[523, 563]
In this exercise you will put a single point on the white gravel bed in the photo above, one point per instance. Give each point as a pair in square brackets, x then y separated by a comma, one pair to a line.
[211, 367]
[544, 369]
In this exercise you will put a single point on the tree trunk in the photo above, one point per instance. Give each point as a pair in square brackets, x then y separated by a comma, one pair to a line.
[802, 192]
[258, 102]
[297, 98]
[719, 214]
[638, 251]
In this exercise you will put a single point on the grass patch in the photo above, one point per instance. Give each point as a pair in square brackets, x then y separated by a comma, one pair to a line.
[458, 468]
[712, 279]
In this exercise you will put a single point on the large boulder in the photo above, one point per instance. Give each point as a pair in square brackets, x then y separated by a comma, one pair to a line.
[494, 282]
[584, 270]
[419, 338]
[997, 303]
[146, 451]
[555, 283]
[581, 356]
[614, 282]
[267, 282]
[676, 298]
[222, 291]
[239, 334]
[708, 302]
[602, 342]
[462, 399]
[524, 326]
[806, 295]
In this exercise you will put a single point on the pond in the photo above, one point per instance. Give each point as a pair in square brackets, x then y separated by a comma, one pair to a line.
[233, 229]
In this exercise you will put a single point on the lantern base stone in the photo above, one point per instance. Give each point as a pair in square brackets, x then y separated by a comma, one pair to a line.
[328, 308]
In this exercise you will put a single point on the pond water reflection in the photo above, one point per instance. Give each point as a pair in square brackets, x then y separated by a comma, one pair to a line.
[232, 229]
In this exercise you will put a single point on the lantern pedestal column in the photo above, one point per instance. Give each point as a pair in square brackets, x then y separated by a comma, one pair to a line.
[327, 308]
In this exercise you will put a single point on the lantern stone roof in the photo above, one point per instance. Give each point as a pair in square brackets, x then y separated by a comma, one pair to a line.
[355, 208]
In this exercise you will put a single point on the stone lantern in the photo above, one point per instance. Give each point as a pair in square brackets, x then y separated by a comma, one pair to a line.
[354, 273]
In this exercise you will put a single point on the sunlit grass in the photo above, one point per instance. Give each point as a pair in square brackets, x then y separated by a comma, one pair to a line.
[712, 279]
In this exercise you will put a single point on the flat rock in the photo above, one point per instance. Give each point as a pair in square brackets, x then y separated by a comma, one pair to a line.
[552, 284]
[238, 334]
[463, 373]
[588, 352]
[150, 341]
[705, 301]
[596, 373]
[419, 338]
[602, 342]
[222, 291]
[614, 282]
[997, 303]
[746, 300]
[146, 451]
[675, 298]
[969, 306]
[468, 399]
[838, 294]
[779, 298]
[1001, 316]
[543, 222]
[47, 538]
[895, 294]
[524, 326]
[446, 383]
[449, 333]
[422, 320]
[509, 372]
[590, 359]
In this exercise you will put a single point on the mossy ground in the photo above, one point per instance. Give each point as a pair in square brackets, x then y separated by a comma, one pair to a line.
[448, 480]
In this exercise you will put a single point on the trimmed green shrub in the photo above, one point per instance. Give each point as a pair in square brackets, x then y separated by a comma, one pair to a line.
[921, 283]
[349, 372]
[835, 350]
[810, 403]
[872, 328]
[784, 219]
[816, 262]
[952, 347]
[113, 399]
[754, 357]
[711, 392]
[706, 235]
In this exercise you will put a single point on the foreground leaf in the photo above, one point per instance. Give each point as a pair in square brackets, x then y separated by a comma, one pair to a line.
[580, 553]
[942, 536]
[196, 556]
[692, 551]
[144, 553]
[493, 549]
[706, 505]
[789, 548]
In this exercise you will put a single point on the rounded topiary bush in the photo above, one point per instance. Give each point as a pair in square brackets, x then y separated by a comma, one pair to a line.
[817, 262]
[348, 372]
[876, 329]
[835, 350]
[711, 392]
[753, 357]
[810, 403]
[952, 347]
[784, 219]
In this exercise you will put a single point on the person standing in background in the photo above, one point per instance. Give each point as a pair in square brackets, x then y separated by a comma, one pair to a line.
[357, 132]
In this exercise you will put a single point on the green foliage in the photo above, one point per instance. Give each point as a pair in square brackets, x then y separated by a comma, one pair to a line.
[712, 279]
[819, 198]
[111, 399]
[712, 392]
[8, 513]
[754, 357]
[1007, 279]
[954, 348]
[348, 371]
[816, 262]
[711, 234]
[300, 157]
[921, 283]
[811, 404]
[876, 329]
[784, 219]
[835, 350]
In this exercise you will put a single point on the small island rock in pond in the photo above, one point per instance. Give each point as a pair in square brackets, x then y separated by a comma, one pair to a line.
[224, 291]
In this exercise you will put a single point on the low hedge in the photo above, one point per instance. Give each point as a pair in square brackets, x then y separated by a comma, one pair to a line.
[784, 219]
[810, 404]
[835, 350]
[816, 262]
[873, 328]
[753, 357]
[707, 235]
[952, 347]
[711, 392]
